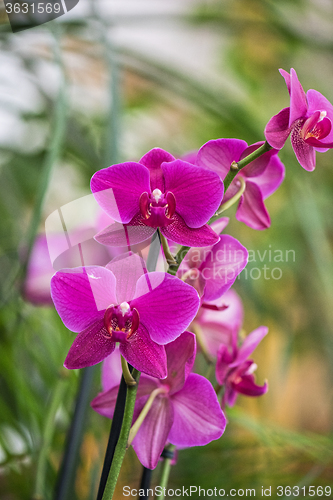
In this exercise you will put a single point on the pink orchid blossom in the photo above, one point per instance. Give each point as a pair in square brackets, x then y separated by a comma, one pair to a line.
[157, 192]
[262, 176]
[308, 121]
[218, 321]
[234, 370]
[185, 413]
[212, 270]
[122, 303]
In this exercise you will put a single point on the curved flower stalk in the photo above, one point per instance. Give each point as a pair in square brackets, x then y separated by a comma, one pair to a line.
[122, 303]
[308, 121]
[213, 270]
[218, 321]
[257, 180]
[185, 411]
[234, 370]
[157, 192]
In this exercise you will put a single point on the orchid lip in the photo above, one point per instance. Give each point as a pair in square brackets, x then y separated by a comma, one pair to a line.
[121, 322]
[157, 208]
[316, 126]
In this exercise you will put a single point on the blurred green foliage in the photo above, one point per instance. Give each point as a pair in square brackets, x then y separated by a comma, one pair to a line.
[285, 438]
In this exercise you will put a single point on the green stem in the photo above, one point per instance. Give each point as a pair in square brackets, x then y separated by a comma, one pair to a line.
[40, 486]
[236, 167]
[181, 254]
[136, 426]
[123, 439]
[232, 201]
[168, 255]
[166, 473]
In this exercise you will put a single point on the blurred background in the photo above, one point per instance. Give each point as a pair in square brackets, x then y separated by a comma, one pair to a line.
[104, 84]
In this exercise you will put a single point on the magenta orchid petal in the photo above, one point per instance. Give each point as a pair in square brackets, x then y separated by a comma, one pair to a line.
[317, 102]
[168, 308]
[258, 166]
[298, 103]
[224, 263]
[320, 146]
[229, 397]
[180, 233]
[39, 272]
[214, 335]
[90, 347]
[104, 403]
[125, 235]
[220, 327]
[223, 364]
[180, 355]
[217, 155]
[198, 418]
[144, 354]
[277, 129]
[111, 370]
[198, 193]
[117, 189]
[251, 209]
[305, 153]
[249, 345]
[153, 433]
[127, 269]
[146, 386]
[271, 179]
[286, 77]
[82, 294]
[248, 387]
[153, 160]
[232, 317]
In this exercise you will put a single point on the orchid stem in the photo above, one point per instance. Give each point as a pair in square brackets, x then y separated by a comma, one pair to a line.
[236, 167]
[181, 254]
[123, 439]
[136, 426]
[126, 372]
[74, 437]
[168, 255]
[166, 472]
[114, 436]
[232, 201]
[57, 397]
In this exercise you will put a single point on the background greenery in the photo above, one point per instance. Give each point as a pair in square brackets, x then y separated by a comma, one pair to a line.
[91, 101]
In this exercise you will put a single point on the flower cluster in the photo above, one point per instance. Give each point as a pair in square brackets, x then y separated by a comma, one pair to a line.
[154, 320]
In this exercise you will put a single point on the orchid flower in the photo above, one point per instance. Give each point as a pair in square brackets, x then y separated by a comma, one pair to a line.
[157, 192]
[122, 303]
[212, 270]
[185, 411]
[234, 370]
[308, 121]
[259, 179]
